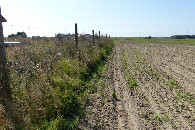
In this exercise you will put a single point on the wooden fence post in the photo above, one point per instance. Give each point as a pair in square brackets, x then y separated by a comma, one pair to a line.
[93, 37]
[4, 77]
[99, 35]
[109, 36]
[76, 35]
[106, 35]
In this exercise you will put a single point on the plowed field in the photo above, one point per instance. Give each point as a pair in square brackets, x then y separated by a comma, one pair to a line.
[145, 86]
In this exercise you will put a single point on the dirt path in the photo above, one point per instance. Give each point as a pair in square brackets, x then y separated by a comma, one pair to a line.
[145, 86]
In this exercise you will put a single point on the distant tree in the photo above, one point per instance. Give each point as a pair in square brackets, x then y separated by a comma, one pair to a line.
[21, 34]
[148, 37]
[193, 36]
[181, 36]
[12, 35]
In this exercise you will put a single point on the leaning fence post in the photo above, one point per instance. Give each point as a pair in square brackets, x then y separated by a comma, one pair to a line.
[4, 77]
[76, 35]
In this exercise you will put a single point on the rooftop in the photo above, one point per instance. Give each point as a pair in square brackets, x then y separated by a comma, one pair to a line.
[3, 19]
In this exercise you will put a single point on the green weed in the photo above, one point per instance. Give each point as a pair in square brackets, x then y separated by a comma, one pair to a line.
[174, 125]
[133, 84]
[125, 63]
[135, 68]
[180, 107]
[181, 96]
[103, 102]
[147, 99]
[185, 97]
[114, 96]
[158, 118]
[99, 124]
[172, 84]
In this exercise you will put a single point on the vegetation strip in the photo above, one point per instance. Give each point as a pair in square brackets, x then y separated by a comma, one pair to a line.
[49, 80]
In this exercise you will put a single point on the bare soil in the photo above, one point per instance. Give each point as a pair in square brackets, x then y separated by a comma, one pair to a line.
[145, 86]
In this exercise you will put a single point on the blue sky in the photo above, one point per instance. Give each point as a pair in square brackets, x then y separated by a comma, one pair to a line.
[127, 18]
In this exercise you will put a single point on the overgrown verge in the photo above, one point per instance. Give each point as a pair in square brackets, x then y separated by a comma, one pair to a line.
[49, 80]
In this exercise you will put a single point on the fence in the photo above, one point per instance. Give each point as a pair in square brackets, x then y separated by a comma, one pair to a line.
[93, 36]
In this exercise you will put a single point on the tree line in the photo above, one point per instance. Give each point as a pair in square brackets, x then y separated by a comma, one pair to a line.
[183, 36]
[19, 34]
